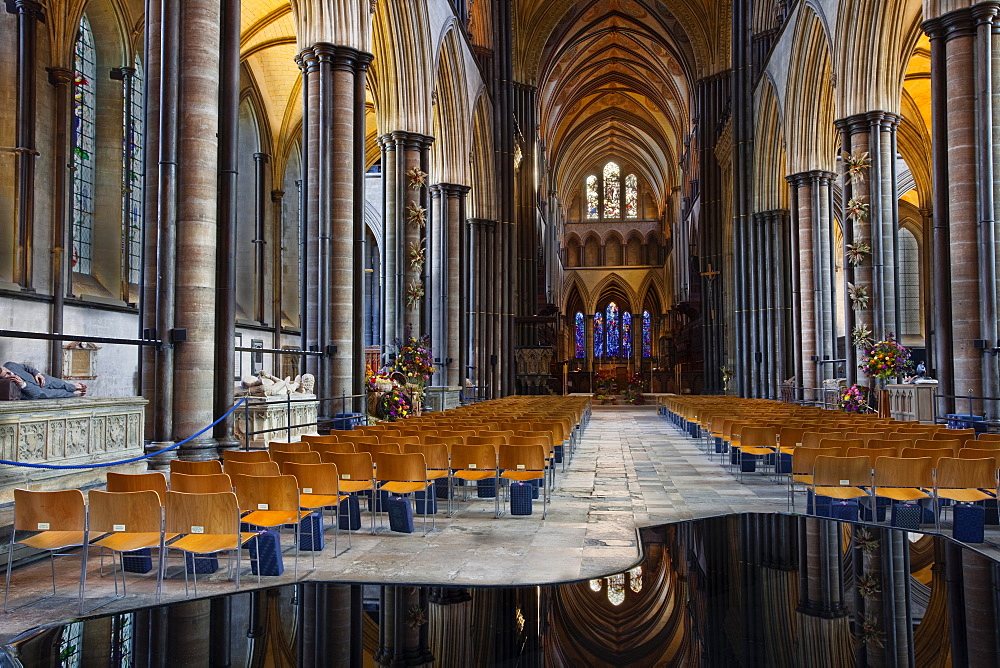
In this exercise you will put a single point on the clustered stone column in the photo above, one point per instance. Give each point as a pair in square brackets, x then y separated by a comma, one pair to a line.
[483, 293]
[965, 113]
[444, 289]
[405, 158]
[403, 631]
[330, 76]
[813, 267]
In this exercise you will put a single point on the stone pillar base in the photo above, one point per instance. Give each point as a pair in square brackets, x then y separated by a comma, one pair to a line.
[441, 398]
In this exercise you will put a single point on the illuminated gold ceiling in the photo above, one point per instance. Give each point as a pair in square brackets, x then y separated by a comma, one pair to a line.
[614, 82]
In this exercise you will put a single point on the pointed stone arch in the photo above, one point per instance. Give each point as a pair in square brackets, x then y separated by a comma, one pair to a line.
[770, 163]
[651, 295]
[612, 287]
[403, 66]
[451, 117]
[482, 197]
[809, 105]
[577, 297]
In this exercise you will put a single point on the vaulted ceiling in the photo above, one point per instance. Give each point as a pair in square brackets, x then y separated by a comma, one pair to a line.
[615, 82]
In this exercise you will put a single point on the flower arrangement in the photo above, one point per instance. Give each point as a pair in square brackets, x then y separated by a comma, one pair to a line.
[633, 390]
[393, 405]
[857, 209]
[417, 178]
[856, 253]
[413, 357]
[859, 296]
[416, 215]
[377, 381]
[414, 293]
[886, 359]
[862, 337]
[856, 164]
[854, 399]
[417, 255]
[605, 385]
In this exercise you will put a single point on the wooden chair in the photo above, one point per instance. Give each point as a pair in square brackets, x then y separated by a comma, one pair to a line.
[357, 439]
[938, 444]
[251, 468]
[789, 438]
[57, 521]
[902, 478]
[271, 501]
[245, 456]
[987, 438]
[544, 440]
[128, 521]
[495, 441]
[210, 467]
[458, 433]
[301, 446]
[980, 453]
[319, 488]
[934, 454]
[201, 484]
[841, 477]
[872, 453]
[842, 443]
[803, 460]
[282, 459]
[473, 463]
[447, 441]
[357, 474]
[401, 441]
[811, 439]
[206, 524]
[315, 439]
[949, 434]
[963, 480]
[524, 463]
[757, 442]
[335, 447]
[153, 481]
[403, 474]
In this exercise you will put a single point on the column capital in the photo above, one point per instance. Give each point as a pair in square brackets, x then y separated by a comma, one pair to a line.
[411, 140]
[261, 157]
[954, 24]
[122, 73]
[854, 124]
[307, 60]
[277, 195]
[28, 8]
[60, 76]
[452, 189]
[799, 179]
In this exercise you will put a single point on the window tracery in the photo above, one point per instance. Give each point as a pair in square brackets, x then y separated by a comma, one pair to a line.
[612, 192]
[581, 340]
[83, 147]
[593, 199]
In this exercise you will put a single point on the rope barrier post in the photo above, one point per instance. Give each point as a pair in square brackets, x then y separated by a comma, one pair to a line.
[343, 407]
[288, 414]
[246, 424]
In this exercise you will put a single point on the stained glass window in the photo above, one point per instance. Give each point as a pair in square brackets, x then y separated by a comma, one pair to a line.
[598, 335]
[595, 585]
[71, 645]
[614, 335]
[616, 589]
[84, 110]
[631, 196]
[122, 637]
[132, 182]
[626, 334]
[612, 191]
[581, 334]
[635, 579]
[647, 335]
[592, 197]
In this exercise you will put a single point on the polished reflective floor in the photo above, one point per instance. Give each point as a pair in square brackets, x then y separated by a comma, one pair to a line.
[735, 590]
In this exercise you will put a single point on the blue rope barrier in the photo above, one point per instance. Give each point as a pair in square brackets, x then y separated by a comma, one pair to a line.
[127, 461]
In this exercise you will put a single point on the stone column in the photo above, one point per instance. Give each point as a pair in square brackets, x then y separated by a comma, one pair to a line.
[29, 13]
[197, 191]
[804, 198]
[61, 78]
[444, 288]
[437, 278]
[964, 92]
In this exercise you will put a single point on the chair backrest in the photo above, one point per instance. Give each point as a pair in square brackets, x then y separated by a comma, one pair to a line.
[867, 436]
[375, 448]
[447, 441]
[131, 511]
[911, 435]
[459, 433]
[62, 510]
[282, 459]
[357, 439]
[245, 456]
[335, 447]
[435, 454]
[209, 467]
[385, 431]
[947, 434]
[540, 439]
[547, 435]
[215, 513]
[495, 441]
[522, 458]
[955, 473]
[201, 484]
[882, 443]
[988, 438]
[811, 439]
[934, 453]
[266, 492]
[315, 478]
[355, 466]
[400, 468]
[844, 443]
[872, 453]
[803, 459]
[332, 437]
[289, 447]
[842, 471]
[758, 437]
[904, 471]
[789, 437]
[981, 453]
[479, 457]
[937, 444]
[153, 481]
[400, 441]
[251, 468]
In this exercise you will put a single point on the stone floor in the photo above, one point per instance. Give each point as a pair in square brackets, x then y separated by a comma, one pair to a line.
[631, 468]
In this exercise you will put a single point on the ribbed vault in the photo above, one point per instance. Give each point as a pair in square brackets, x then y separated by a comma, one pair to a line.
[614, 83]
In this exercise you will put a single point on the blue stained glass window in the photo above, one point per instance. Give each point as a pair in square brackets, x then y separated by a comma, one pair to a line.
[614, 335]
[598, 335]
[626, 334]
[647, 335]
[581, 336]
[84, 146]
